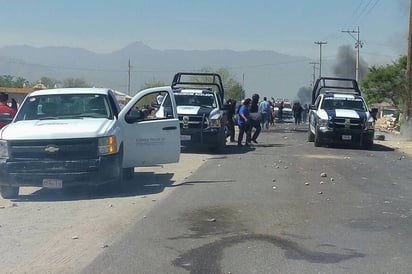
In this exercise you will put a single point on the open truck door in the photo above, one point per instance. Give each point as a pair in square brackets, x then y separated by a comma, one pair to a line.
[148, 138]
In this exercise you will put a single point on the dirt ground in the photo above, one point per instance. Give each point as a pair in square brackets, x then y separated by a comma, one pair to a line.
[397, 143]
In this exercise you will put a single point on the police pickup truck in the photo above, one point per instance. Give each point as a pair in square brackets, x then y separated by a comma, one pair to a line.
[79, 136]
[339, 114]
[202, 113]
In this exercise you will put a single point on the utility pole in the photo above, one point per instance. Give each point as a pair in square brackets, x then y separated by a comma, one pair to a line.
[358, 45]
[314, 71]
[407, 100]
[128, 82]
[320, 55]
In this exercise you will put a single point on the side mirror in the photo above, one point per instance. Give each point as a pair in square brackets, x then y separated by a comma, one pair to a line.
[374, 113]
[134, 116]
[313, 107]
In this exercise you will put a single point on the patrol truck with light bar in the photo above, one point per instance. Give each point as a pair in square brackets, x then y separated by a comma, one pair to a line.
[339, 114]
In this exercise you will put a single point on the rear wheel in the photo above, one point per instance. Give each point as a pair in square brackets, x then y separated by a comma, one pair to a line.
[9, 192]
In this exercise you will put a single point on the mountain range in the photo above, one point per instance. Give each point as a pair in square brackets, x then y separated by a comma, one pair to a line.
[268, 73]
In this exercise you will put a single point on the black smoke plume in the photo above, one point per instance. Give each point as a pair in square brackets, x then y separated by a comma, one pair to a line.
[305, 95]
[345, 66]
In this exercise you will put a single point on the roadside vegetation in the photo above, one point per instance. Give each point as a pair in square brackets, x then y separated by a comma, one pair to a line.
[388, 84]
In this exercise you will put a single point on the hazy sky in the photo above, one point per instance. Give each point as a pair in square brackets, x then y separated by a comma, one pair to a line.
[286, 26]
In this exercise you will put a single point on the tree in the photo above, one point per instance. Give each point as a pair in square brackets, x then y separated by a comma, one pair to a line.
[9, 81]
[50, 82]
[75, 83]
[233, 88]
[387, 83]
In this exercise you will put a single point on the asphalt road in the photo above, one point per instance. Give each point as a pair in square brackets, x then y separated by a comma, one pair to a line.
[268, 209]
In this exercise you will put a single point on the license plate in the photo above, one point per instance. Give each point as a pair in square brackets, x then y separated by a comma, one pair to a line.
[347, 137]
[52, 183]
[185, 137]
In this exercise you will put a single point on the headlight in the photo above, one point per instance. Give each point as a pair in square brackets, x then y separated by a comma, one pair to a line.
[323, 122]
[214, 123]
[369, 125]
[107, 145]
[4, 151]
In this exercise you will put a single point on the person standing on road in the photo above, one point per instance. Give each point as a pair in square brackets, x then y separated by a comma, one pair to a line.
[280, 112]
[254, 119]
[305, 113]
[4, 108]
[230, 118]
[243, 121]
[265, 113]
[297, 112]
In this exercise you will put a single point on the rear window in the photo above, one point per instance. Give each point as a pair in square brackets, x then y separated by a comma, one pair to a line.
[330, 103]
[206, 100]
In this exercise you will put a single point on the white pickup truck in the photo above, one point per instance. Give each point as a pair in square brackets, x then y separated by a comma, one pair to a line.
[80, 136]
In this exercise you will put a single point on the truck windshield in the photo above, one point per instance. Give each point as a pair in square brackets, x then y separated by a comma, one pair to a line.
[343, 103]
[206, 100]
[65, 106]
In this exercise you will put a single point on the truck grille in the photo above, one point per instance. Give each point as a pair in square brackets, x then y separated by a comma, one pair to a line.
[66, 149]
[347, 123]
[194, 122]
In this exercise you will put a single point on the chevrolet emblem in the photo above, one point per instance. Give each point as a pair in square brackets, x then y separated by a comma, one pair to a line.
[51, 149]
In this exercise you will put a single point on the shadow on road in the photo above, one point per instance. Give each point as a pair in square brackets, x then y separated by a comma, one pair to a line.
[230, 148]
[375, 147]
[143, 183]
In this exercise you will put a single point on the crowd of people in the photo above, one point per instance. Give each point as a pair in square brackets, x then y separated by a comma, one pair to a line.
[253, 115]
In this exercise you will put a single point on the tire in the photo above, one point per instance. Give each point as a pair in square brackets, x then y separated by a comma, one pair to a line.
[128, 173]
[317, 141]
[219, 148]
[368, 144]
[9, 192]
[220, 143]
[311, 136]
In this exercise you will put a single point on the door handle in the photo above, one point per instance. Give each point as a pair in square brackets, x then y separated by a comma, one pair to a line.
[169, 128]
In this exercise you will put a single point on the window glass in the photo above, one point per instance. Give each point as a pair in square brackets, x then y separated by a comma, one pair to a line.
[65, 106]
[156, 105]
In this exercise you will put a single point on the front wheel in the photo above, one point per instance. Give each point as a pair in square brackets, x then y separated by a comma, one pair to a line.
[317, 139]
[311, 136]
[128, 173]
[9, 192]
[367, 144]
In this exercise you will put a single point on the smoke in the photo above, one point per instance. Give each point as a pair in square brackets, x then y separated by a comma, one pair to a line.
[345, 66]
[305, 95]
